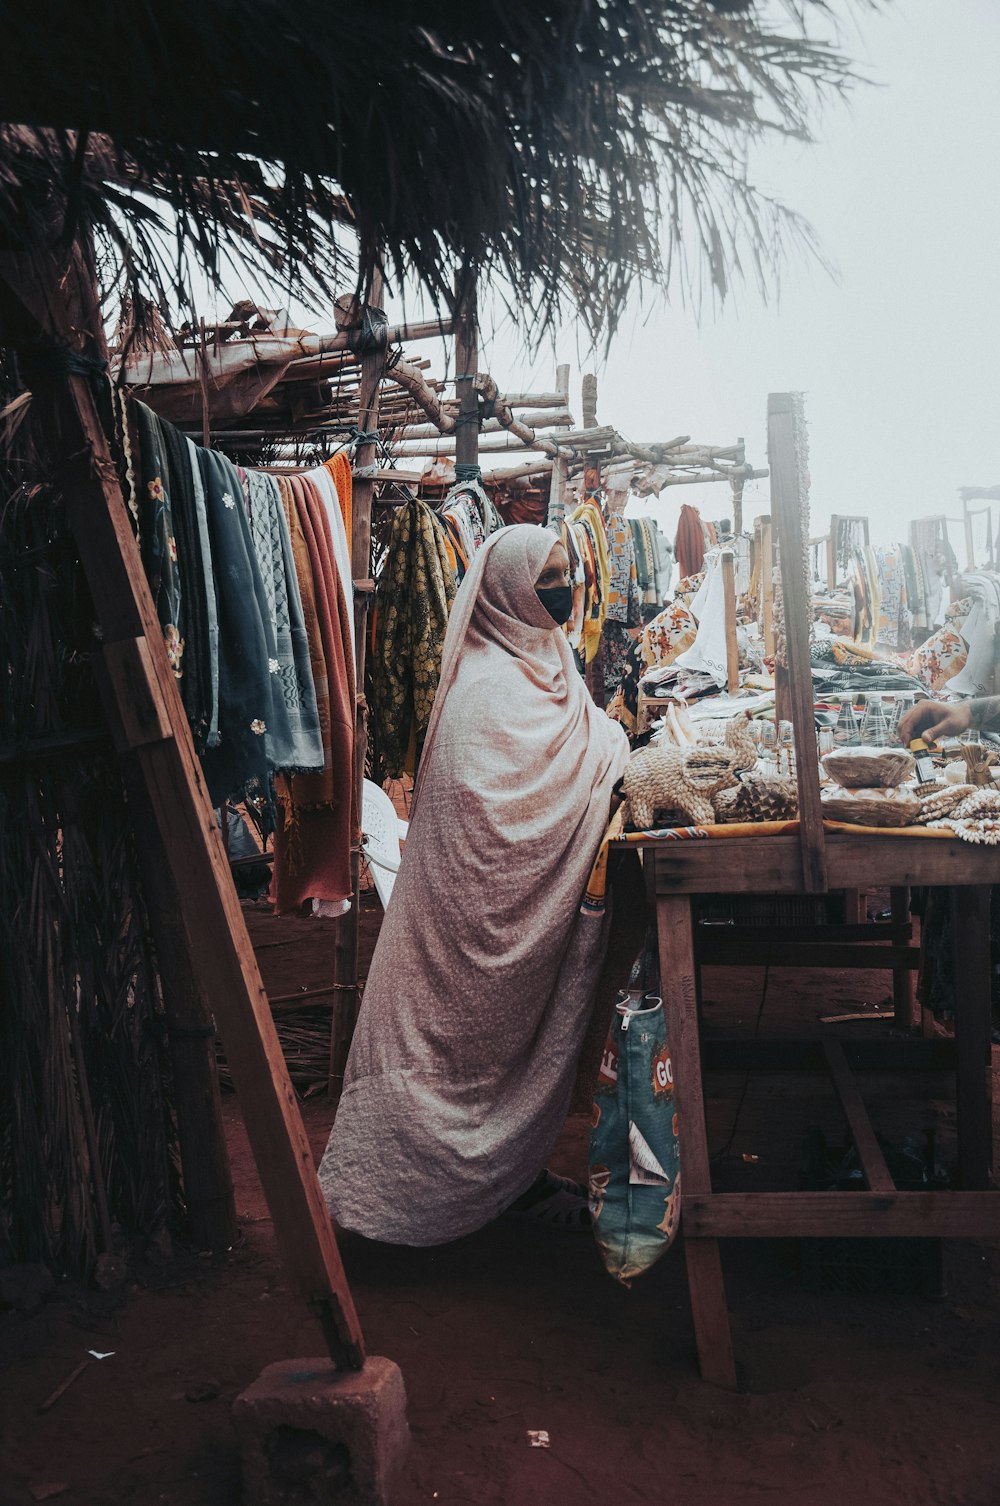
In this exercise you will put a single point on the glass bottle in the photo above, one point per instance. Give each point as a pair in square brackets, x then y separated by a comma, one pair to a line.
[875, 731]
[901, 704]
[846, 733]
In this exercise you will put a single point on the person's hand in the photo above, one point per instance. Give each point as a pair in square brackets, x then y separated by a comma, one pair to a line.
[933, 720]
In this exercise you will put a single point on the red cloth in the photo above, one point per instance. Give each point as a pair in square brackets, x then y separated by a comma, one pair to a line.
[689, 545]
[318, 816]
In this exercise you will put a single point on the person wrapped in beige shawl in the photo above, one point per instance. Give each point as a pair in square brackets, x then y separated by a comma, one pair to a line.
[482, 983]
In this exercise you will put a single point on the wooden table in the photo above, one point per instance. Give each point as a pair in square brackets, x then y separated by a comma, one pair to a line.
[677, 873]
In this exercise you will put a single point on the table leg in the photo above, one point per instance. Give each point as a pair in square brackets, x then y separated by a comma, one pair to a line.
[675, 919]
[902, 977]
[970, 909]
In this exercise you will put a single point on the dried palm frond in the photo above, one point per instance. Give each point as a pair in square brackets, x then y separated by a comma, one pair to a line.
[579, 148]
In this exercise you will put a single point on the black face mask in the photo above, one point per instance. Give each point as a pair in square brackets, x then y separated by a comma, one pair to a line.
[557, 601]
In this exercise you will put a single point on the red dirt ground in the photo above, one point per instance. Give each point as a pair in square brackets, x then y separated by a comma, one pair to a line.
[848, 1400]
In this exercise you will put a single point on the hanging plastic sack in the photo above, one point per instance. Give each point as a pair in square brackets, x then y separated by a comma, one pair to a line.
[635, 1180]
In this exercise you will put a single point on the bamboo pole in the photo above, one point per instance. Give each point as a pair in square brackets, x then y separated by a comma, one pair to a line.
[345, 951]
[728, 562]
[466, 425]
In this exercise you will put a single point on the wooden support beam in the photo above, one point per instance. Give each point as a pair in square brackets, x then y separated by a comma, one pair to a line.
[877, 1173]
[56, 305]
[970, 914]
[720, 950]
[466, 321]
[785, 442]
[728, 563]
[848, 1215]
[704, 1268]
[766, 586]
[423, 395]
[346, 936]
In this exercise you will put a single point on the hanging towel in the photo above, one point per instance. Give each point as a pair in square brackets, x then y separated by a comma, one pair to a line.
[211, 593]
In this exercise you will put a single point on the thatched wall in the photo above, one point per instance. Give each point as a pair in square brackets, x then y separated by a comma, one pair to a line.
[87, 1144]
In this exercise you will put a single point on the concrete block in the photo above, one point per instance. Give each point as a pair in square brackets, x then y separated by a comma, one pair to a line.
[311, 1435]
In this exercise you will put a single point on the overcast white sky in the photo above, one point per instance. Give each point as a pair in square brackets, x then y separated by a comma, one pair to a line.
[898, 359]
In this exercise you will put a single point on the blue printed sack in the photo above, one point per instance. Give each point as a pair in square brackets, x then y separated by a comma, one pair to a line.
[635, 1180]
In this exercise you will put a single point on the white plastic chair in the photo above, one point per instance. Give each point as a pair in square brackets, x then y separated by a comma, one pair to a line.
[381, 830]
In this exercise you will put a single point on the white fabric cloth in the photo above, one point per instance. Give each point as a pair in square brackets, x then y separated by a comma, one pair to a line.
[324, 484]
[707, 653]
[482, 982]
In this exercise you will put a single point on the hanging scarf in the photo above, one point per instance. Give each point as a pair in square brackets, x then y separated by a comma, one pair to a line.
[239, 765]
[196, 677]
[211, 594]
[156, 533]
[415, 591]
[318, 812]
[689, 545]
[343, 480]
[292, 672]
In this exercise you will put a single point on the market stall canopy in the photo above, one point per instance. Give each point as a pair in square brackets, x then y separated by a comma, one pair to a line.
[572, 149]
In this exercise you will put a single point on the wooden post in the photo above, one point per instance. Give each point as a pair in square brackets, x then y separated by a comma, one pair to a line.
[346, 996]
[737, 488]
[767, 586]
[466, 369]
[57, 306]
[678, 971]
[970, 543]
[560, 465]
[902, 977]
[732, 646]
[970, 912]
[785, 441]
[588, 401]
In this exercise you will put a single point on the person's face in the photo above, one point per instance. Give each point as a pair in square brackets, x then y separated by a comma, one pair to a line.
[555, 571]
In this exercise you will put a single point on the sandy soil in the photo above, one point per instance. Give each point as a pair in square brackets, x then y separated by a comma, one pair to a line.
[848, 1400]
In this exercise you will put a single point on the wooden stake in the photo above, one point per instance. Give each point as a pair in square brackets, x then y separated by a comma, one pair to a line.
[732, 646]
[345, 951]
[787, 504]
[466, 367]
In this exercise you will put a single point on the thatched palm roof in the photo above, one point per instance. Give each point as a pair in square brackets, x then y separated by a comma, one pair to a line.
[573, 146]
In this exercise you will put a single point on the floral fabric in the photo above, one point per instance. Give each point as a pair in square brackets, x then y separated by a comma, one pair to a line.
[659, 644]
[412, 603]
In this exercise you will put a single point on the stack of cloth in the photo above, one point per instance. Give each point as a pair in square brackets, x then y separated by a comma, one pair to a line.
[840, 665]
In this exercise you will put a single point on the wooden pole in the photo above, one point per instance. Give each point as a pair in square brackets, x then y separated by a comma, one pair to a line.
[737, 486]
[560, 464]
[785, 444]
[732, 647]
[588, 401]
[466, 369]
[345, 949]
[56, 306]
[767, 586]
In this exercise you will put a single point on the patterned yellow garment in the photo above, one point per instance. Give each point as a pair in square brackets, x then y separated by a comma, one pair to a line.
[588, 518]
[412, 603]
